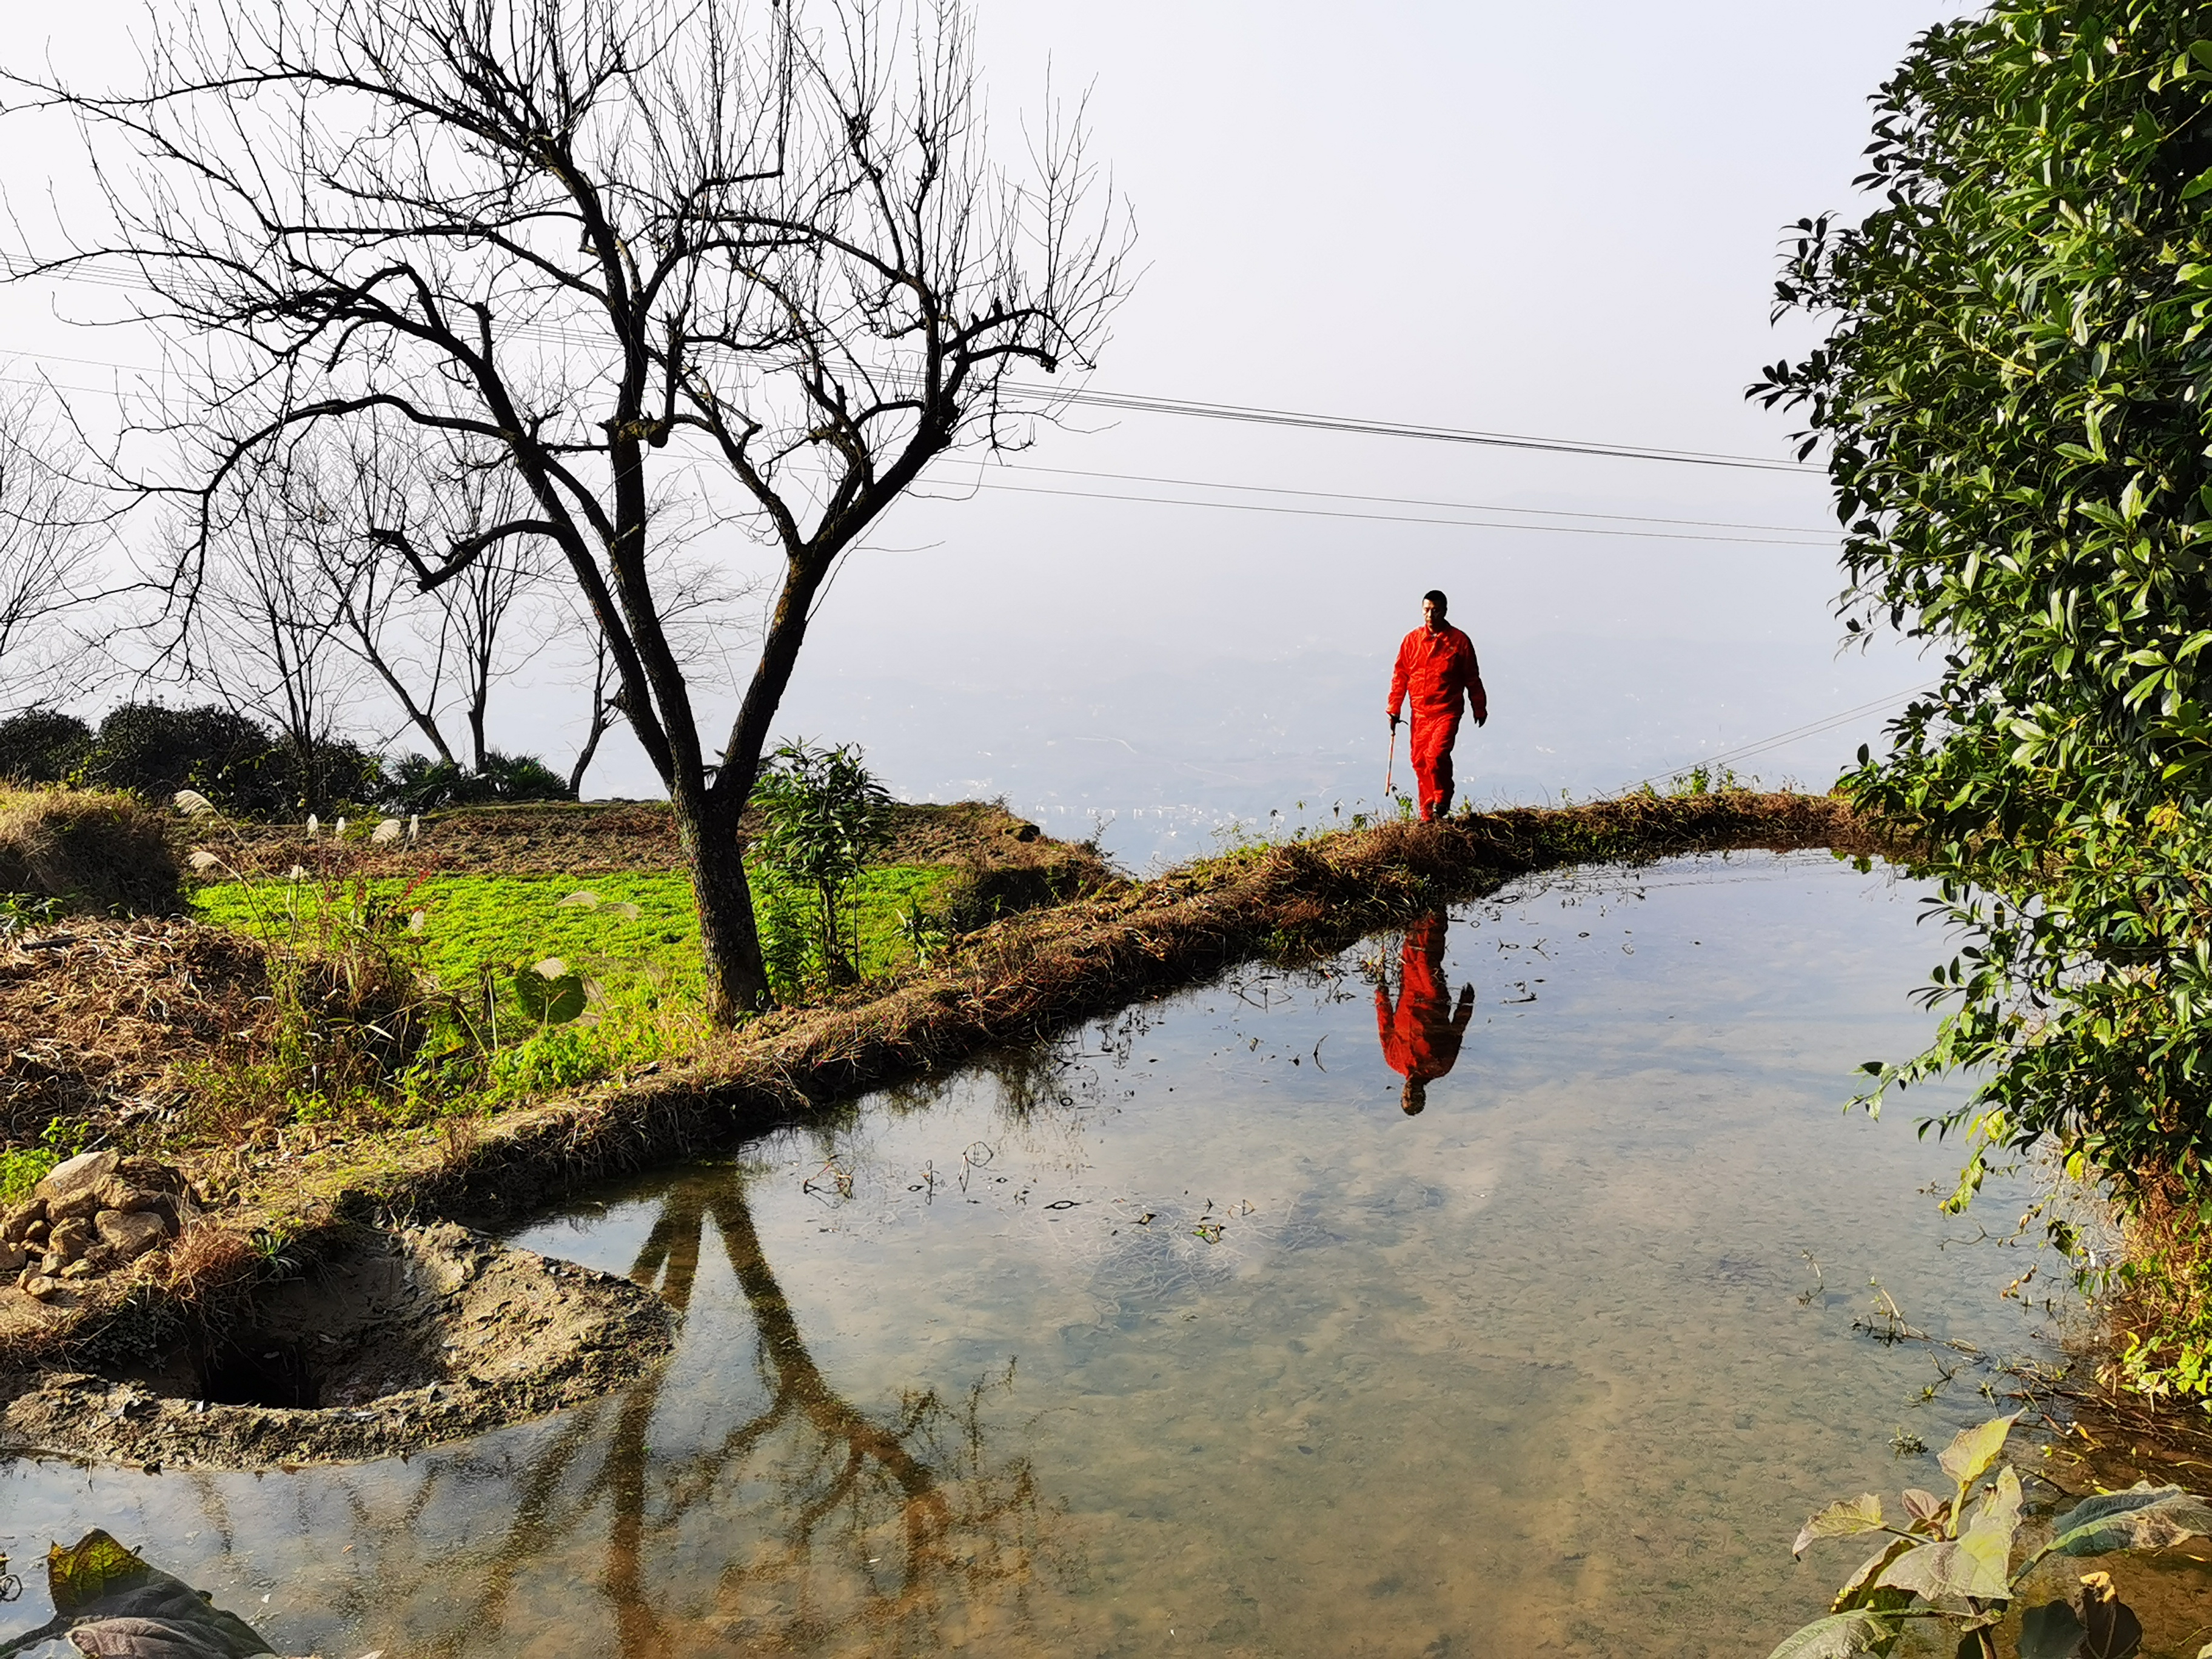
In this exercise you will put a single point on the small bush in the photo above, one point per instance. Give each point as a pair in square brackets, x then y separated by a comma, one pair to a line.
[42, 746]
[99, 851]
[416, 783]
[827, 816]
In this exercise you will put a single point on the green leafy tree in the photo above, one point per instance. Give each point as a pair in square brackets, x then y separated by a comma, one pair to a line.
[827, 816]
[2011, 399]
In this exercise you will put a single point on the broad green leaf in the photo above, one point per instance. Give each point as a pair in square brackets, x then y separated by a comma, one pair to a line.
[2143, 1517]
[1923, 1505]
[1969, 1457]
[1859, 1591]
[2050, 1631]
[95, 1567]
[1990, 1534]
[1839, 1636]
[116, 1604]
[550, 994]
[1841, 1520]
[1946, 1571]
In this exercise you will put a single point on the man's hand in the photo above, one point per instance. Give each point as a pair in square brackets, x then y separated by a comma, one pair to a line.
[1483, 719]
[1393, 719]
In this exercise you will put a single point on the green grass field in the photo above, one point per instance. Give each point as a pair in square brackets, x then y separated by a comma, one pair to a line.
[645, 966]
[469, 922]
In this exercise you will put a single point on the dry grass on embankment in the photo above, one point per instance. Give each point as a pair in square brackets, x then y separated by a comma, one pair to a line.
[1019, 980]
[94, 851]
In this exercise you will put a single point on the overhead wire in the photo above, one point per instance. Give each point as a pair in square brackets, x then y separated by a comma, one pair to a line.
[1811, 729]
[90, 270]
[1400, 518]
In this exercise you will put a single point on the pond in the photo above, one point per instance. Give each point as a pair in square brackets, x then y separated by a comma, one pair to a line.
[1185, 1331]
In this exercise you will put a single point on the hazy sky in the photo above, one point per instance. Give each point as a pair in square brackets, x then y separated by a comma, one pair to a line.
[1560, 220]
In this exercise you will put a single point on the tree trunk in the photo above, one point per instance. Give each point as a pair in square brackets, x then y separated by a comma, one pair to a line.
[729, 944]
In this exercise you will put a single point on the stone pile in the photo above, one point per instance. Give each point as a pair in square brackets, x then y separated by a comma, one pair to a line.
[95, 1213]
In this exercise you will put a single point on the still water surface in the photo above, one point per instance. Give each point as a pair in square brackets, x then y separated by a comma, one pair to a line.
[1185, 1333]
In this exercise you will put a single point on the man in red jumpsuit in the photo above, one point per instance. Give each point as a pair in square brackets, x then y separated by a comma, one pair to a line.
[1436, 670]
[1421, 1035]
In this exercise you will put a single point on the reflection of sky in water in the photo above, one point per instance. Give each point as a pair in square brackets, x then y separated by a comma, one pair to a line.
[1544, 1367]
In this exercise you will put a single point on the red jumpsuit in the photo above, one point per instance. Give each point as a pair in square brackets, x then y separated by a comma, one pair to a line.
[1421, 1036]
[1435, 669]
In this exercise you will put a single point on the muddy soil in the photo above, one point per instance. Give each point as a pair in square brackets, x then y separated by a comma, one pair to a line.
[398, 1340]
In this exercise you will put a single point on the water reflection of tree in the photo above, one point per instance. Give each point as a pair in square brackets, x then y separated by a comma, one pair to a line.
[878, 1524]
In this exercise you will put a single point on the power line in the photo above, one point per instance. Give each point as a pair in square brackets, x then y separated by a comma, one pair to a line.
[1405, 500]
[1812, 729]
[1152, 404]
[1156, 405]
[1398, 518]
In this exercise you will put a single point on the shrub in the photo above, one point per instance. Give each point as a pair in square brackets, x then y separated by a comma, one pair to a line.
[154, 751]
[827, 816]
[42, 746]
[416, 783]
[98, 851]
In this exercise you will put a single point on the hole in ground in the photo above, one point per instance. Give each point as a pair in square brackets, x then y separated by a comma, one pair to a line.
[260, 1371]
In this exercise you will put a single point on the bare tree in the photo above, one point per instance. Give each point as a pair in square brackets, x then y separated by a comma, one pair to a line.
[455, 641]
[578, 234]
[52, 528]
[270, 635]
[700, 603]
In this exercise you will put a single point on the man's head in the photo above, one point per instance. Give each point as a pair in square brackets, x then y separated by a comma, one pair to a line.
[1433, 606]
[1413, 1096]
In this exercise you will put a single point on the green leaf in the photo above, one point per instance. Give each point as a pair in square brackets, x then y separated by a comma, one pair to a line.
[1946, 1572]
[1989, 1536]
[1859, 1591]
[1841, 1520]
[1923, 1505]
[93, 1568]
[114, 1603]
[1839, 1636]
[2143, 1517]
[2050, 1631]
[1969, 1456]
[549, 993]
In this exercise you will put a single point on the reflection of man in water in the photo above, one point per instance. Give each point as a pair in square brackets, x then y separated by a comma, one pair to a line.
[1421, 1035]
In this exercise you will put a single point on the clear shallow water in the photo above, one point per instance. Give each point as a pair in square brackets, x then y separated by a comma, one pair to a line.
[1545, 1368]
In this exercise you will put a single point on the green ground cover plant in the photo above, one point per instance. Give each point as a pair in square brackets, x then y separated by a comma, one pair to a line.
[490, 956]
[643, 927]
[2012, 397]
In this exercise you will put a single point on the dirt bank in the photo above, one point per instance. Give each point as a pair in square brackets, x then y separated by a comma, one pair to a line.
[395, 1341]
[605, 837]
[1018, 979]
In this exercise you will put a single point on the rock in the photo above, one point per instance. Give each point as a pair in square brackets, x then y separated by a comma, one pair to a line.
[73, 1189]
[32, 1213]
[71, 1239]
[131, 1233]
[120, 1195]
[12, 1258]
[78, 1269]
[42, 1288]
[49, 1265]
